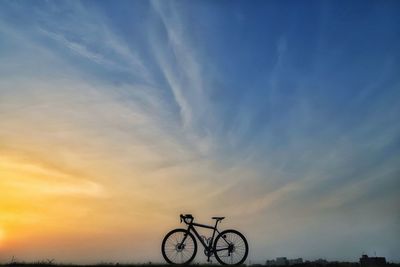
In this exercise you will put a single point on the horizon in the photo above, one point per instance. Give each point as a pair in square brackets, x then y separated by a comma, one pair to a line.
[266, 262]
[116, 117]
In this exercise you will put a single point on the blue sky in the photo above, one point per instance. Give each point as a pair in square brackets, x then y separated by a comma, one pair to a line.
[281, 115]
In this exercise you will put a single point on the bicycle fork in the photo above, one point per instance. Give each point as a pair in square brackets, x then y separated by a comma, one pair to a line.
[181, 246]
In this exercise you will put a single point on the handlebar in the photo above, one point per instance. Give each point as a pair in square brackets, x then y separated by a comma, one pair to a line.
[186, 217]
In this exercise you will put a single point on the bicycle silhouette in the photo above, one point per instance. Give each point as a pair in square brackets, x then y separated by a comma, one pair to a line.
[180, 247]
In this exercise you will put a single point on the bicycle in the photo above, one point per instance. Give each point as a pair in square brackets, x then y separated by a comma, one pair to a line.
[179, 246]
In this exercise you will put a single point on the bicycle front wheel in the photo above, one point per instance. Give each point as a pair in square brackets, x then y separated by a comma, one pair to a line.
[179, 247]
[231, 248]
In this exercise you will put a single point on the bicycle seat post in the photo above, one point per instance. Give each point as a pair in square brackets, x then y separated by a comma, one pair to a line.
[216, 223]
[217, 220]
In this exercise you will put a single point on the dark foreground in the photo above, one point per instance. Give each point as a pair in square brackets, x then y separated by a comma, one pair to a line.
[309, 264]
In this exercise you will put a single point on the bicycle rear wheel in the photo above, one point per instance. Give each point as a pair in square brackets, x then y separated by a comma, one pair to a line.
[176, 249]
[231, 248]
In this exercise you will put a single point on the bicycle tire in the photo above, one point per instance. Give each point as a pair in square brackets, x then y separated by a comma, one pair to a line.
[167, 250]
[240, 242]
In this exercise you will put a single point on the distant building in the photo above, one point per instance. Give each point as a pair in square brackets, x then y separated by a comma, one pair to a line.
[280, 261]
[366, 261]
[295, 261]
[321, 261]
[283, 261]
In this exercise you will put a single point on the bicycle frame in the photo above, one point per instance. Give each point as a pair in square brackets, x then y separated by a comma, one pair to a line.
[209, 247]
[211, 243]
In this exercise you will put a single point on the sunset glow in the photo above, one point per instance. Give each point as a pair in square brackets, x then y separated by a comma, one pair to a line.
[2, 236]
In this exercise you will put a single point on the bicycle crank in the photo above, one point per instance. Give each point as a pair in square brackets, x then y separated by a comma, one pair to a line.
[208, 253]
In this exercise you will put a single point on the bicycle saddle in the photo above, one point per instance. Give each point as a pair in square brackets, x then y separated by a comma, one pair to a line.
[218, 218]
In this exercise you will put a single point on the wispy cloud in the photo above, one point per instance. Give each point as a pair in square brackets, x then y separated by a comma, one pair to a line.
[79, 49]
[85, 32]
[182, 69]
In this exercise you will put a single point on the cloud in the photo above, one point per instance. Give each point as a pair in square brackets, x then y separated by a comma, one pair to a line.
[79, 49]
[84, 31]
[180, 65]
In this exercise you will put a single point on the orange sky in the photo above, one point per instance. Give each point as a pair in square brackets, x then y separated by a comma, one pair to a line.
[48, 211]
[56, 204]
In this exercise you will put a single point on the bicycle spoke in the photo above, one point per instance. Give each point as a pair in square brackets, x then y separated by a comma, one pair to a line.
[179, 247]
[231, 248]
[176, 254]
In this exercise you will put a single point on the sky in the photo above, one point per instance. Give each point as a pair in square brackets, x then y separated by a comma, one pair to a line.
[282, 116]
